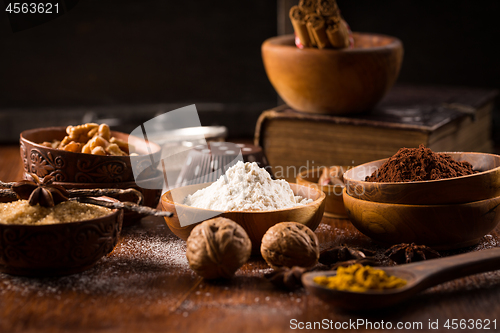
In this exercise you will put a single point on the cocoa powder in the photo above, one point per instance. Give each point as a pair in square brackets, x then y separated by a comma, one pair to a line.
[418, 164]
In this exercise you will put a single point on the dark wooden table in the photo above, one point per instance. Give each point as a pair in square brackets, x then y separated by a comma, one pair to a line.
[146, 285]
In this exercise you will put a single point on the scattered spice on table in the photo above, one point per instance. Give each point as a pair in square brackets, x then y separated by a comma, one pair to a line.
[343, 253]
[287, 278]
[407, 253]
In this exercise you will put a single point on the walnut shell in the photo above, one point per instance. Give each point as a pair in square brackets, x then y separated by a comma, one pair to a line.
[217, 248]
[289, 244]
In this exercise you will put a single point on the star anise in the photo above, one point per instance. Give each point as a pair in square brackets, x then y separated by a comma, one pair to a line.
[287, 278]
[406, 253]
[343, 253]
[41, 192]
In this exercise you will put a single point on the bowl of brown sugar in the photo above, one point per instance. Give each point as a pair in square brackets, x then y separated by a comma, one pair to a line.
[67, 238]
[442, 200]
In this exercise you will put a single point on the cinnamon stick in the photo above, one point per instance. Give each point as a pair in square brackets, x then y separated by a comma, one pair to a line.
[111, 192]
[337, 32]
[298, 18]
[327, 8]
[124, 205]
[317, 29]
[308, 6]
[73, 193]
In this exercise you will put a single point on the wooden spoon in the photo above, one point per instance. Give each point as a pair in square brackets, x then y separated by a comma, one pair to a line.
[419, 276]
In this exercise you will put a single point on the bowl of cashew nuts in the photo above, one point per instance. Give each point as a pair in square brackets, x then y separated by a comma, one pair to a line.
[93, 156]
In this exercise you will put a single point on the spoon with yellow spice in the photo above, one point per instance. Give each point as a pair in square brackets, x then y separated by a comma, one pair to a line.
[362, 287]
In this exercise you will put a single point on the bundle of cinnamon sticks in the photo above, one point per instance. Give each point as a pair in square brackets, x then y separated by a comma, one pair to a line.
[318, 23]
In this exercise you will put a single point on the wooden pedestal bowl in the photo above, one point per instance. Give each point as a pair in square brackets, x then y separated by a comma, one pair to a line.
[334, 204]
[58, 249]
[442, 227]
[255, 223]
[82, 171]
[332, 81]
[476, 187]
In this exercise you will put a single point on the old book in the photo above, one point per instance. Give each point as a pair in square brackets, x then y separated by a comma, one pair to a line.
[442, 118]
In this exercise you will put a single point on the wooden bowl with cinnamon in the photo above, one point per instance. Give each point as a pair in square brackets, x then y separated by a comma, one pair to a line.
[330, 81]
[479, 186]
[255, 223]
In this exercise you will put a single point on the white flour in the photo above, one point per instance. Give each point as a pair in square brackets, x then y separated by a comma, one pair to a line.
[246, 186]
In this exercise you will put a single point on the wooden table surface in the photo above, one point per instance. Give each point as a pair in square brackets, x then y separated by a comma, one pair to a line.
[146, 285]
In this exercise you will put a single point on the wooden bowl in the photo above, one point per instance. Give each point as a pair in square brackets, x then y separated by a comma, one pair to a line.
[254, 223]
[442, 227]
[71, 167]
[58, 249]
[479, 186]
[334, 204]
[332, 81]
[81, 171]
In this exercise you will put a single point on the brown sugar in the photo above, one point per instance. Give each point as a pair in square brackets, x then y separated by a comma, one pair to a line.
[21, 212]
[419, 164]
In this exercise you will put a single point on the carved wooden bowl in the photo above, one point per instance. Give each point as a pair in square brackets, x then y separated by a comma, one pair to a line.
[332, 81]
[479, 186]
[442, 227]
[69, 167]
[81, 171]
[334, 204]
[254, 223]
[58, 249]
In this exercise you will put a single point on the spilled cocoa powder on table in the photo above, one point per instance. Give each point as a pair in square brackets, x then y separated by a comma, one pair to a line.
[418, 164]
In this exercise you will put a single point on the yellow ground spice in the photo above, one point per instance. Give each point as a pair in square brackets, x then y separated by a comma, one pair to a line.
[359, 278]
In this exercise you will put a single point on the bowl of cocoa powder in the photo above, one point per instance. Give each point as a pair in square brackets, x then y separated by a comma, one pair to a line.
[442, 200]
[419, 176]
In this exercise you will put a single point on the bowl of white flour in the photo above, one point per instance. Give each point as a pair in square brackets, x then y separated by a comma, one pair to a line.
[247, 195]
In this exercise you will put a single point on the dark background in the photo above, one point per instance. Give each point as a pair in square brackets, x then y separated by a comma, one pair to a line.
[446, 42]
[132, 59]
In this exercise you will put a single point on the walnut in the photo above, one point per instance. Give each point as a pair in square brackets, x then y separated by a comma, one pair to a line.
[289, 244]
[217, 248]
